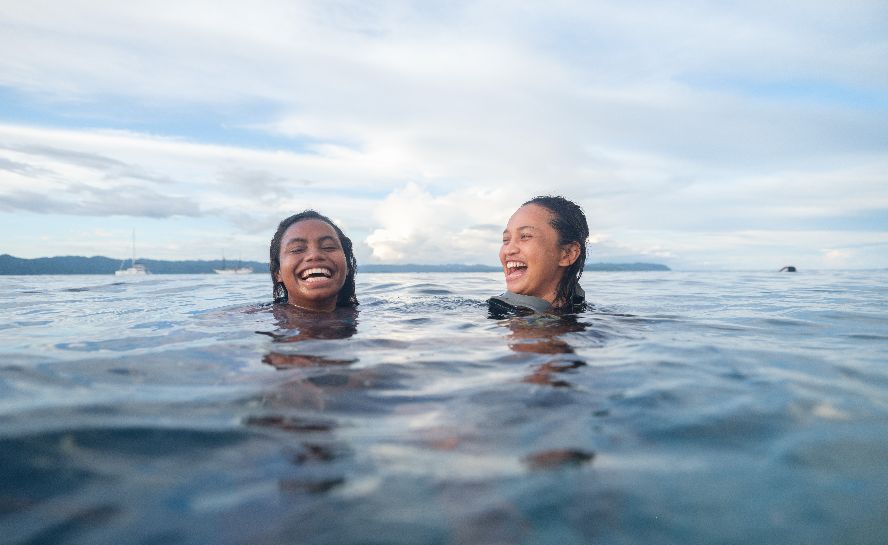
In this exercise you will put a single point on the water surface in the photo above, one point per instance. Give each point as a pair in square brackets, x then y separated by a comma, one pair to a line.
[680, 408]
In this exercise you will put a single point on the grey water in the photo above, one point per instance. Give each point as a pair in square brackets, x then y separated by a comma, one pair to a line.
[681, 407]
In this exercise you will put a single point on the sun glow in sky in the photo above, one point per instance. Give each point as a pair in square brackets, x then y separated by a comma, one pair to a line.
[746, 135]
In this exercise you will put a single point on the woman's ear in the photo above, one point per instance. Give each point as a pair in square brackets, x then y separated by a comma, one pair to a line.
[569, 253]
[277, 277]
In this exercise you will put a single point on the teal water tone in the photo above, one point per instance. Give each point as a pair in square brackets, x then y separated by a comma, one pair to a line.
[683, 407]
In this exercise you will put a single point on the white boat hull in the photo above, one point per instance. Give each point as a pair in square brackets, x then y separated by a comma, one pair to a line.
[240, 270]
[138, 270]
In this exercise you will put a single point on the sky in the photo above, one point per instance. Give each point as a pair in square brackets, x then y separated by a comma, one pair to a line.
[702, 135]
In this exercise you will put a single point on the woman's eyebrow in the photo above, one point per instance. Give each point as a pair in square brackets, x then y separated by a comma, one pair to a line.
[506, 231]
[300, 240]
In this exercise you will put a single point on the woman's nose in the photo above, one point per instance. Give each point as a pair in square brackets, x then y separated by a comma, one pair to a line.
[312, 254]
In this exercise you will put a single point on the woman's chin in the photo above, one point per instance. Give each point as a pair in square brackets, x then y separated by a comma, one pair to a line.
[521, 288]
[315, 299]
[516, 280]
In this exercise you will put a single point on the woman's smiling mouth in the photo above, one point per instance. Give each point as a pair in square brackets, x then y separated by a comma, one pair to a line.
[315, 274]
[515, 269]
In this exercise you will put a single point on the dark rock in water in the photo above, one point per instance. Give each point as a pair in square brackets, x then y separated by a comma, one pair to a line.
[289, 423]
[553, 459]
[788, 268]
[311, 486]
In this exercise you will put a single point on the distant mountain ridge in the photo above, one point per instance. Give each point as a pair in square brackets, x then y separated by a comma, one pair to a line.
[625, 267]
[10, 265]
[107, 265]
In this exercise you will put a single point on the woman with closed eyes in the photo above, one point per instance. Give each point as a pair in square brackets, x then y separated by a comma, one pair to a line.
[312, 264]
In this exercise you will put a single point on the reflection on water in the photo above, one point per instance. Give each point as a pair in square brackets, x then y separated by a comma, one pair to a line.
[297, 325]
[546, 334]
[682, 408]
[291, 349]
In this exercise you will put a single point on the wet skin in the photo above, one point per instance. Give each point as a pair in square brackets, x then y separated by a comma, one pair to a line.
[533, 261]
[313, 267]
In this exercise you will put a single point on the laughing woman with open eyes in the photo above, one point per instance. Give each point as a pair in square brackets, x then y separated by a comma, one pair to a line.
[543, 254]
[312, 264]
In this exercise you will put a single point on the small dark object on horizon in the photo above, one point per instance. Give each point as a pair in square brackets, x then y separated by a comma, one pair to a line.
[788, 268]
[551, 459]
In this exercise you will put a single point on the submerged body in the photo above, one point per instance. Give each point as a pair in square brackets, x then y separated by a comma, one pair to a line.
[515, 303]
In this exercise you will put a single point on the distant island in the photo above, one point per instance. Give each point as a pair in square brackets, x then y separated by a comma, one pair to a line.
[625, 267]
[105, 265]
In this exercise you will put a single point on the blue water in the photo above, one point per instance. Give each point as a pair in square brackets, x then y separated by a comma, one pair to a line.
[682, 408]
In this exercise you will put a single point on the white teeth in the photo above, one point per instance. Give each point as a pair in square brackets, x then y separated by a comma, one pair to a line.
[515, 264]
[317, 270]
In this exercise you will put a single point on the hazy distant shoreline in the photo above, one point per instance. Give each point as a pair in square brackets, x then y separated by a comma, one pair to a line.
[10, 265]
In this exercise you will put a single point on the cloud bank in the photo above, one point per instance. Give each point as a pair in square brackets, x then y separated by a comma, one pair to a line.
[741, 135]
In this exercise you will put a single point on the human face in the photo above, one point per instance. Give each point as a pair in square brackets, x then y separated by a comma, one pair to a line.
[313, 267]
[533, 260]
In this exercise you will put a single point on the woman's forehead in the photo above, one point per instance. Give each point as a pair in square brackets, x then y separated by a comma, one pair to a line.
[309, 229]
[530, 215]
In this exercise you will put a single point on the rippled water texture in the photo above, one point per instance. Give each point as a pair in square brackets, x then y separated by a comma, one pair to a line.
[682, 408]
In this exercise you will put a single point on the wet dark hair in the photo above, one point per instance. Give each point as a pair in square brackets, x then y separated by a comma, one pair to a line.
[346, 296]
[569, 221]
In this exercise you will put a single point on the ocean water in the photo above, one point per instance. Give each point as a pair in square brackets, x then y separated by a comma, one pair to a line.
[682, 407]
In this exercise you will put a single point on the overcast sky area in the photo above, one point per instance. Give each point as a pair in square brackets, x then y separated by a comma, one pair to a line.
[701, 135]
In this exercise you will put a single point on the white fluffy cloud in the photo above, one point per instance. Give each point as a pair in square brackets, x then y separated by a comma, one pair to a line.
[418, 227]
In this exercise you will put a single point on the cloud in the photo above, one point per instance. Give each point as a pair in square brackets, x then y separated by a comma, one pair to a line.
[79, 158]
[83, 200]
[837, 257]
[418, 227]
[22, 169]
[756, 249]
[61, 180]
[680, 128]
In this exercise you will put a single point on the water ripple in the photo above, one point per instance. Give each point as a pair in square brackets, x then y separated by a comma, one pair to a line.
[676, 409]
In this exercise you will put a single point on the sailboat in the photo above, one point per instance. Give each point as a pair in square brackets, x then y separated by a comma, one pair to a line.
[134, 269]
[235, 270]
